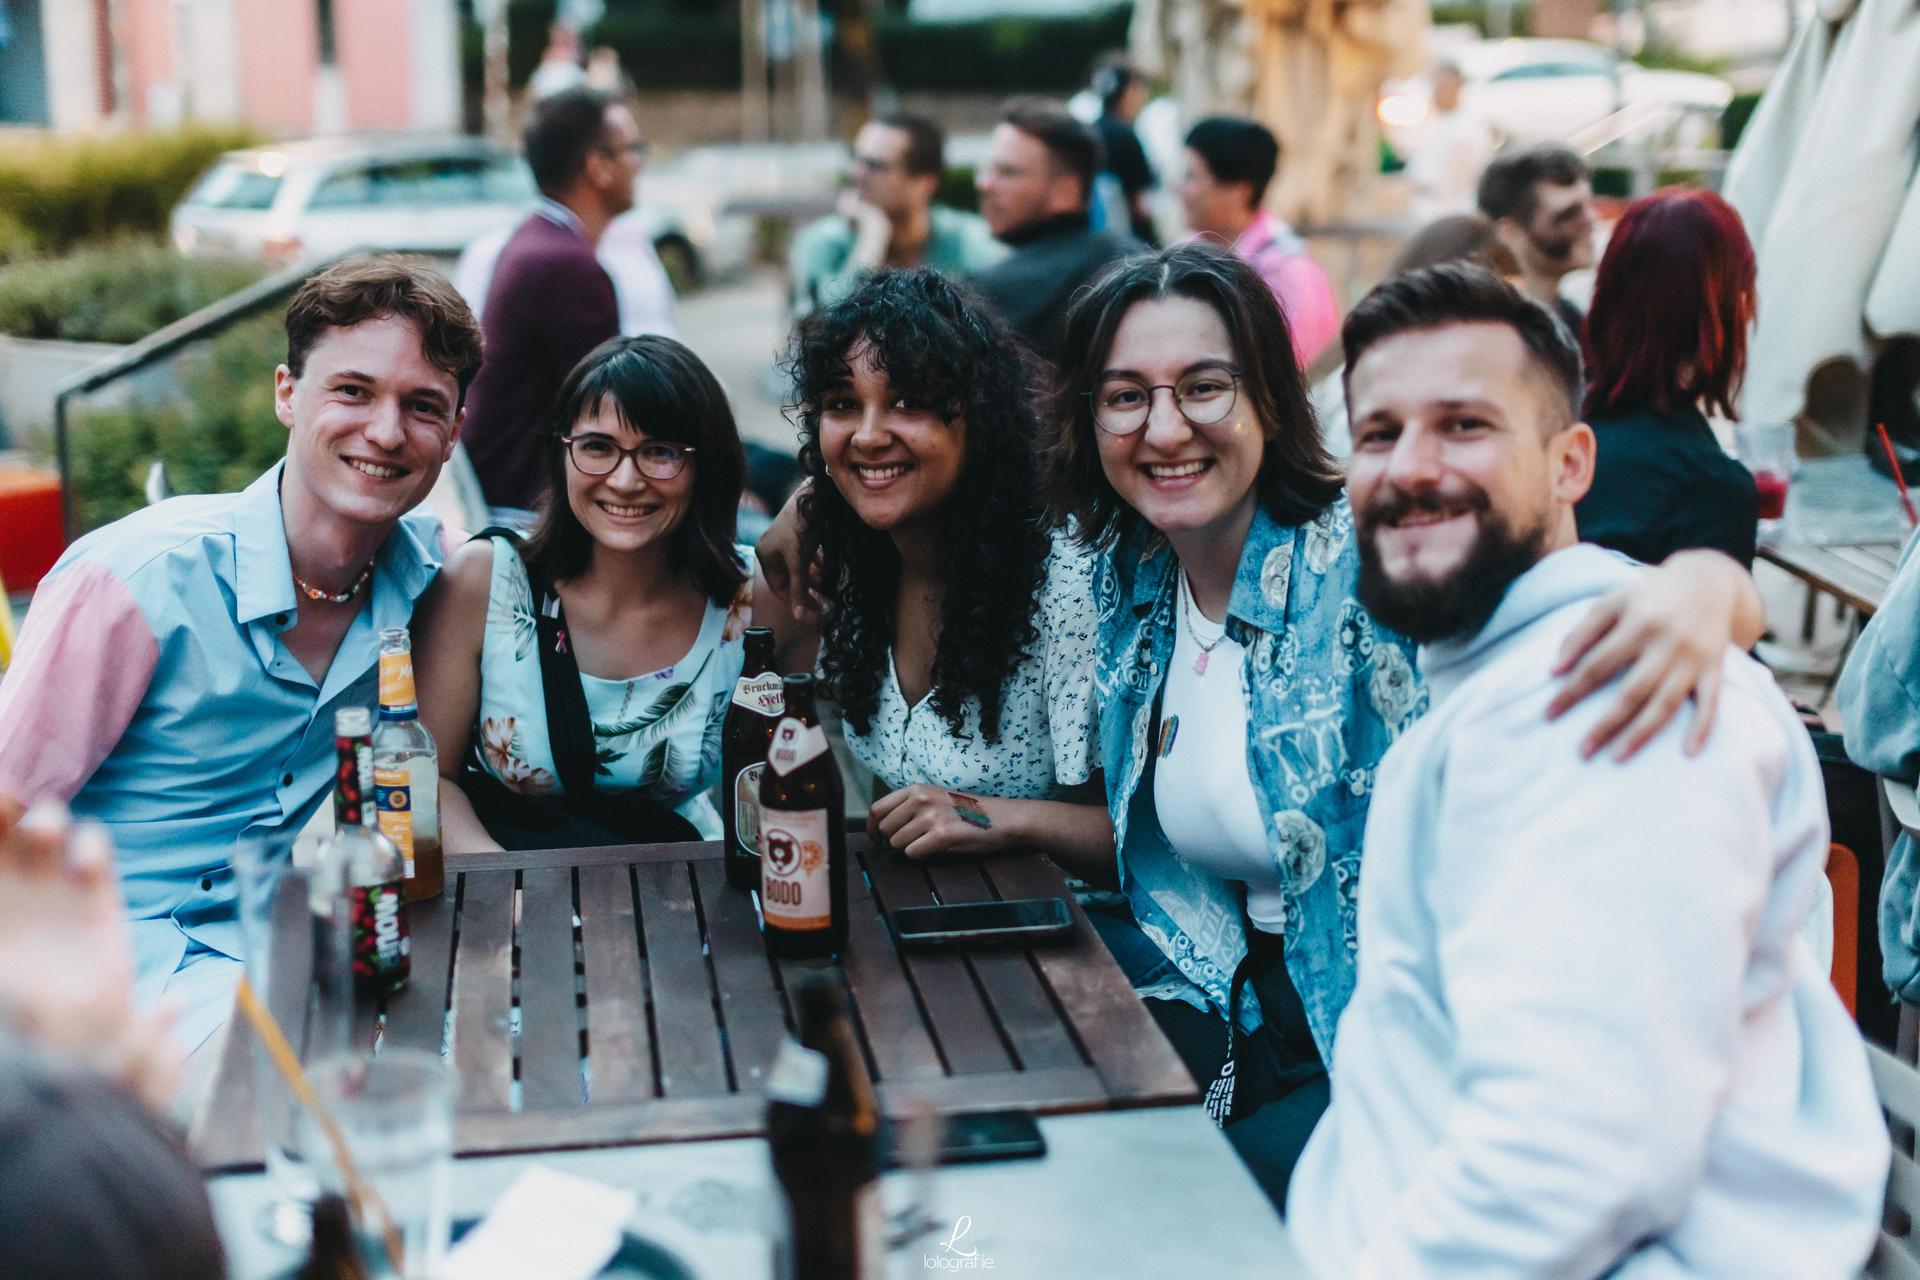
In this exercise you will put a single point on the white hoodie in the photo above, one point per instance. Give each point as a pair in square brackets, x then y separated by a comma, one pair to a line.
[1587, 1037]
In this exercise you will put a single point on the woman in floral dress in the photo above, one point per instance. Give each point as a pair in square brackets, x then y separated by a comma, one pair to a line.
[637, 543]
[1246, 697]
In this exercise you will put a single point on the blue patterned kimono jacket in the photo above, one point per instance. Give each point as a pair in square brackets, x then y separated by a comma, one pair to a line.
[1327, 690]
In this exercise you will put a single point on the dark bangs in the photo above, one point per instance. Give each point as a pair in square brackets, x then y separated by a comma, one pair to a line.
[663, 391]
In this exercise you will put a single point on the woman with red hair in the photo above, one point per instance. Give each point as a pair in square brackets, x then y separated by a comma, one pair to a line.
[1666, 343]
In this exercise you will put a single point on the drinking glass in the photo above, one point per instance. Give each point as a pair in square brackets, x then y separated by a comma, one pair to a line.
[394, 1112]
[1768, 450]
[293, 926]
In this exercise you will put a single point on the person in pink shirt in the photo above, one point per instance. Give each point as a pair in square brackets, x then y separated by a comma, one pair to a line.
[1230, 161]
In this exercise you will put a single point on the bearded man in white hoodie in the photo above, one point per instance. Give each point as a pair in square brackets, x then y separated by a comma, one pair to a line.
[1587, 1038]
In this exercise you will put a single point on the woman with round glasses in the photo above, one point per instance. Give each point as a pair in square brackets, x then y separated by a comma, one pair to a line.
[630, 592]
[1246, 697]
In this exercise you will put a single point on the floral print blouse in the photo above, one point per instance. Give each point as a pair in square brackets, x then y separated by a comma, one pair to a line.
[658, 733]
[1047, 731]
[1328, 690]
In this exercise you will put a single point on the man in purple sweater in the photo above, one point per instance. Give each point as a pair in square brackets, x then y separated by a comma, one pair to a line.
[549, 302]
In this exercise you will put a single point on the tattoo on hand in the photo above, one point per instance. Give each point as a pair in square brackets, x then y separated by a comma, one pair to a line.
[970, 810]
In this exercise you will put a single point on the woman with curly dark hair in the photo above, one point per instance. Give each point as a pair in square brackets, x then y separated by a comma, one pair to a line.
[957, 625]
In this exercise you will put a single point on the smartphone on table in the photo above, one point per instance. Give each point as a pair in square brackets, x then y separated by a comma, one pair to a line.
[1021, 921]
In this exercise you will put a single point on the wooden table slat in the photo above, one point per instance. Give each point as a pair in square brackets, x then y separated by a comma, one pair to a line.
[891, 1019]
[1020, 1001]
[685, 1028]
[1133, 1058]
[1822, 568]
[749, 1004]
[417, 1016]
[684, 1119]
[549, 1005]
[619, 1042]
[623, 855]
[483, 990]
[968, 1039]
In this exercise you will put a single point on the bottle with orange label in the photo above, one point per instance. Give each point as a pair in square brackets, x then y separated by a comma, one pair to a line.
[803, 835]
[406, 772]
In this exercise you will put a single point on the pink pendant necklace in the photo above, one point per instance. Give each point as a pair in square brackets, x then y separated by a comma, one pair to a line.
[1186, 615]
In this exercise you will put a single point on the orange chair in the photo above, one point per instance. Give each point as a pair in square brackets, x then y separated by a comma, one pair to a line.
[1843, 874]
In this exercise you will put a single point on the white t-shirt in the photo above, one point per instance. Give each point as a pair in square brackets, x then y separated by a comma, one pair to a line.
[1202, 792]
[1048, 729]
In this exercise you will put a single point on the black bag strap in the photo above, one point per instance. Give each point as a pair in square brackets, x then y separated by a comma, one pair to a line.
[569, 728]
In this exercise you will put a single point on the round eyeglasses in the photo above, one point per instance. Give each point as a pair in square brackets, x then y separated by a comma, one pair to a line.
[1204, 397]
[595, 455]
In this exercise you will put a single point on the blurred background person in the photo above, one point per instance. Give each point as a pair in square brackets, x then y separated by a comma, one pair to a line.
[1122, 91]
[1445, 168]
[605, 73]
[1035, 190]
[1541, 201]
[1460, 237]
[888, 217]
[1667, 345]
[1230, 162]
[548, 300]
[559, 68]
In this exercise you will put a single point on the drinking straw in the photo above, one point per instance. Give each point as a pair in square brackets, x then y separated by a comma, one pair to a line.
[1893, 463]
[359, 1190]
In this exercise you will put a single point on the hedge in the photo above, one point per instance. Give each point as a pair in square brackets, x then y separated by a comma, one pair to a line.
[116, 292]
[998, 55]
[669, 48]
[217, 438]
[57, 193]
[673, 50]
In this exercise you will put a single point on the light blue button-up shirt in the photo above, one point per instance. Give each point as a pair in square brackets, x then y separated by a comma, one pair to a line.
[227, 736]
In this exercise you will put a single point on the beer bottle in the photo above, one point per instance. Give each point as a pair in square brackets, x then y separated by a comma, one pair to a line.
[751, 720]
[332, 1253]
[803, 839]
[366, 862]
[823, 1126]
[406, 772]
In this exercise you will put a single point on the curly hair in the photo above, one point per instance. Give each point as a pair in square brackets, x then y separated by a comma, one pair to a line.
[940, 345]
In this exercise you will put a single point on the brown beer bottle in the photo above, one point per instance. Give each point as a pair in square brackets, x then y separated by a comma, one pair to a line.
[332, 1253]
[803, 839]
[751, 719]
[823, 1126]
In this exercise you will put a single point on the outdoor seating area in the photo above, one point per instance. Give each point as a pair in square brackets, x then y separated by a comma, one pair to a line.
[841, 639]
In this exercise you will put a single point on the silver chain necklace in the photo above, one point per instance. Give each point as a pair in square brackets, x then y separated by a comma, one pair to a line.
[1186, 616]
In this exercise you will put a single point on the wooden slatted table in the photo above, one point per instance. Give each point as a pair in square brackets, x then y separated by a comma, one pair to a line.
[1843, 531]
[656, 1016]
[1857, 574]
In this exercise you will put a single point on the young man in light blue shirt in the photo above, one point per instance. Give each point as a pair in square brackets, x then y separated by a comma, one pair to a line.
[1587, 1037]
[179, 669]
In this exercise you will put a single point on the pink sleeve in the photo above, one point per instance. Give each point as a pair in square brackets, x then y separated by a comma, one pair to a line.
[85, 658]
[1305, 293]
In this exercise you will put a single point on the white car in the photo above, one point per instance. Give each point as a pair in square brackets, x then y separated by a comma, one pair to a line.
[312, 199]
[1550, 90]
